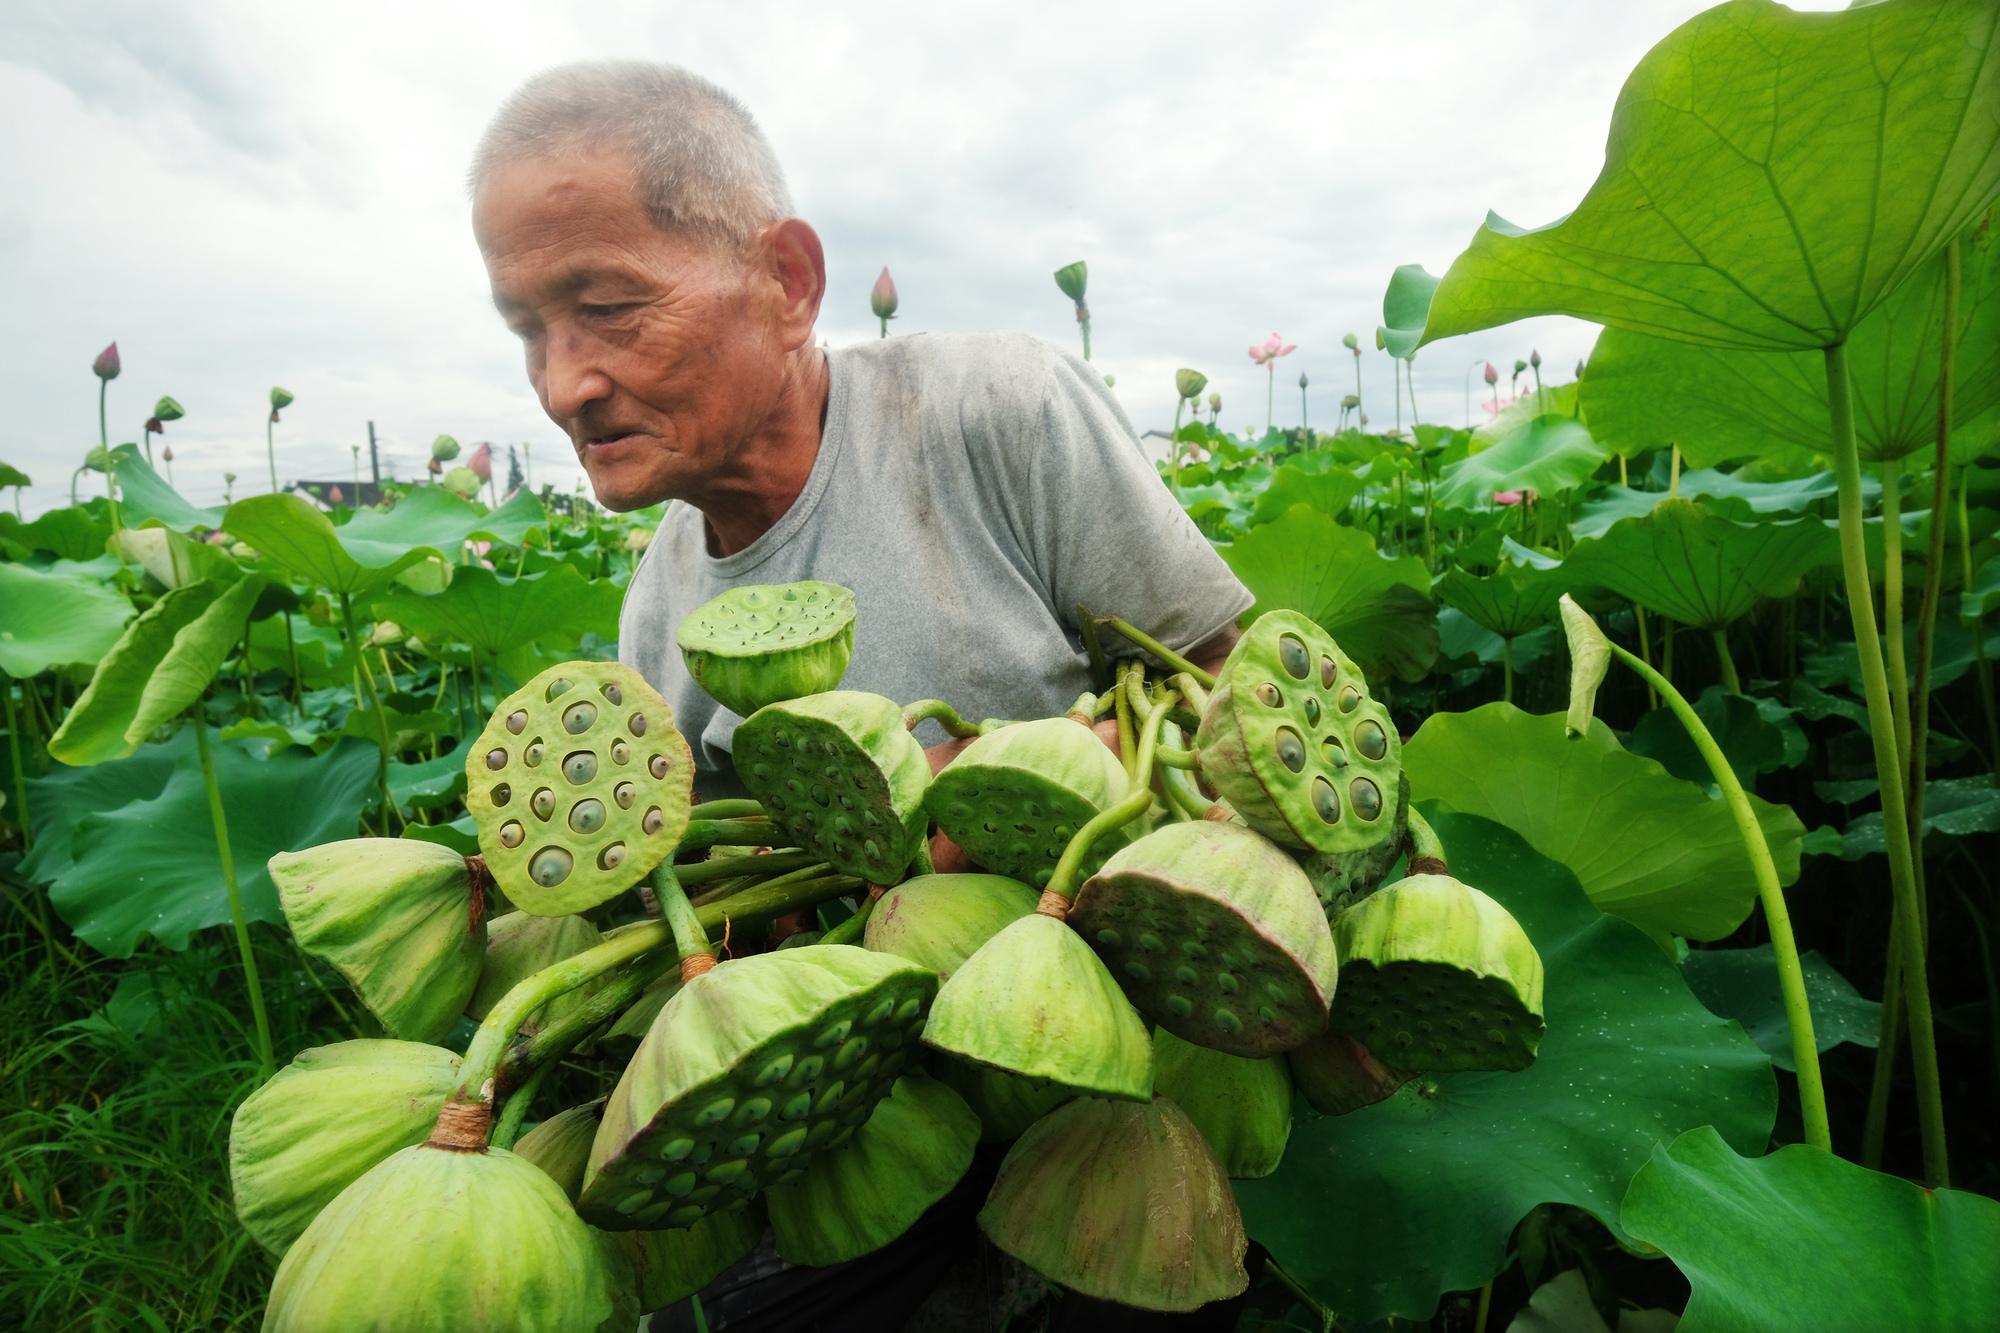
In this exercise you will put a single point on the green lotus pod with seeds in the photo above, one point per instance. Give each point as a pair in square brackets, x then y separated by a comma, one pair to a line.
[1121, 1201]
[579, 786]
[520, 944]
[749, 1069]
[319, 1124]
[1015, 797]
[1216, 935]
[754, 646]
[1035, 1001]
[1295, 744]
[1005, 1103]
[1342, 879]
[395, 916]
[841, 775]
[661, 1266]
[1436, 976]
[1243, 1108]
[857, 1199]
[939, 921]
[448, 1241]
[1337, 1074]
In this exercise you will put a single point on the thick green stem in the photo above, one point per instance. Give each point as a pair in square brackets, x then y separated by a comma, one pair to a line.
[1791, 977]
[736, 809]
[1888, 767]
[850, 930]
[1888, 1041]
[1101, 678]
[1978, 633]
[267, 1061]
[365, 679]
[1063, 880]
[729, 833]
[1892, 604]
[20, 773]
[1166, 655]
[509, 1128]
[690, 937]
[1127, 737]
[1507, 670]
[942, 713]
[1730, 680]
[271, 454]
[737, 867]
[1424, 843]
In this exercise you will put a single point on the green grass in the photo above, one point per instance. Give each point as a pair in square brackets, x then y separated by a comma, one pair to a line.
[114, 1131]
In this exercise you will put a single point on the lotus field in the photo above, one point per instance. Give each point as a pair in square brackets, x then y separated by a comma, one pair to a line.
[1571, 906]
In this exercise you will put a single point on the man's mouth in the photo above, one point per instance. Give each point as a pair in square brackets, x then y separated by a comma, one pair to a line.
[608, 438]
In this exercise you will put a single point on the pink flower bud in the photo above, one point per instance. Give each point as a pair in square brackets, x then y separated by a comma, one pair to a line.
[333, 496]
[167, 452]
[481, 462]
[1506, 497]
[106, 365]
[1492, 375]
[882, 300]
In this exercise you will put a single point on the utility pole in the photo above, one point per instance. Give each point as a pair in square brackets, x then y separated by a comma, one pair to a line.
[374, 463]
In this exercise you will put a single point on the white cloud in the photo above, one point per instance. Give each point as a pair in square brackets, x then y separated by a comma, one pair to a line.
[247, 195]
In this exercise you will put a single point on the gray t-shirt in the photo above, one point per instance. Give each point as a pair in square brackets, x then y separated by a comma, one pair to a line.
[972, 489]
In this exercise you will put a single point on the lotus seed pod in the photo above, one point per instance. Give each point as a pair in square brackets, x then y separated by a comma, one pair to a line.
[749, 1069]
[1294, 743]
[395, 915]
[623, 1039]
[560, 1145]
[1437, 976]
[1243, 1108]
[1216, 936]
[518, 945]
[1123, 1202]
[1015, 797]
[579, 786]
[754, 646]
[857, 1199]
[939, 921]
[1342, 879]
[319, 1124]
[840, 774]
[1337, 1074]
[1005, 1103]
[464, 481]
[1037, 1002]
[448, 1241]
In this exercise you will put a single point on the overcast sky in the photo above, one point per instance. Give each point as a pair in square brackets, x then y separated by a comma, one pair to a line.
[245, 195]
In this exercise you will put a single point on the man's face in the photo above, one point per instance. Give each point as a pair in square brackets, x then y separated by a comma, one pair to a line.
[658, 355]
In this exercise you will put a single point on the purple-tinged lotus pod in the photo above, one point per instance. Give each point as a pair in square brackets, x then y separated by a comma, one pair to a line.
[882, 298]
[1337, 1074]
[1214, 403]
[1122, 1201]
[106, 366]
[1216, 936]
[167, 452]
[1243, 1108]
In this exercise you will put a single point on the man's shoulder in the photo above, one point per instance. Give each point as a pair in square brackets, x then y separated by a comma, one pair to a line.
[932, 365]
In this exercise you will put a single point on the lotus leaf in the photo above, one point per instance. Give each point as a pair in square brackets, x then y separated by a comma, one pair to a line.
[51, 619]
[495, 614]
[371, 549]
[1548, 454]
[1743, 984]
[1704, 570]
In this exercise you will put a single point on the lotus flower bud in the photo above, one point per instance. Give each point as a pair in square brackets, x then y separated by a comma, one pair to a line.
[1214, 403]
[1190, 383]
[386, 631]
[106, 365]
[167, 410]
[281, 398]
[638, 539]
[1073, 278]
[1351, 343]
[1535, 359]
[334, 496]
[481, 462]
[167, 452]
[1302, 379]
[882, 298]
[443, 449]
[1492, 375]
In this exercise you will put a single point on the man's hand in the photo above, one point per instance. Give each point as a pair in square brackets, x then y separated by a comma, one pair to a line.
[1211, 654]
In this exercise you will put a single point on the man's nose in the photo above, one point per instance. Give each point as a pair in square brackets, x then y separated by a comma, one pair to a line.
[572, 377]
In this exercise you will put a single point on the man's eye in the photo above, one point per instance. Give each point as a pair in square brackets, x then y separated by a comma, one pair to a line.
[605, 311]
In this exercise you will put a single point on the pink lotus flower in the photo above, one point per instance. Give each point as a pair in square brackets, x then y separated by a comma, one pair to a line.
[1515, 497]
[106, 365]
[481, 462]
[882, 299]
[334, 496]
[1271, 349]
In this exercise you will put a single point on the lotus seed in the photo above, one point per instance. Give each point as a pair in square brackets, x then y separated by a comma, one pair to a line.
[686, 1216]
[797, 1108]
[1350, 699]
[1312, 711]
[556, 687]
[550, 867]
[1110, 937]
[1291, 750]
[835, 1034]
[1227, 1020]
[909, 1008]
[1186, 975]
[1326, 801]
[587, 816]
[1151, 943]
[1333, 752]
[611, 857]
[533, 754]
[1226, 983]
[849, 1052]
[727, 1173]
[496, 759]
[1268, 695]
[1370, 739]
[511, 833]
[621, 753]
[658, 766]
[637, 724]
[632, 1203]
[828, 1099]
[715, 1111]
[543, 803]
[1367, 798]
[579, 718]
[787, 1143]
[653, 822]
[624, 793]
[1180, 1006]
[517, 721]
[502, 794]
[882, 1011]
[579, 767]
[612, 692]
[1137, 970]
[673, 1150]
[753, 1111]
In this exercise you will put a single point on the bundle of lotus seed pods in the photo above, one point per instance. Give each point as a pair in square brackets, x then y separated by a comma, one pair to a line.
[1169, 939]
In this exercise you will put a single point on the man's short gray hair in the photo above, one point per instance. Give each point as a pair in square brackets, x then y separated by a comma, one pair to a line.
[701, 165]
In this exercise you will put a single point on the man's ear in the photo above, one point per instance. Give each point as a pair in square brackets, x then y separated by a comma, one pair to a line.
[797, 263]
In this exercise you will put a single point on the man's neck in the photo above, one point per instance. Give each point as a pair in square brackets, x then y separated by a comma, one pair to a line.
[772, 467]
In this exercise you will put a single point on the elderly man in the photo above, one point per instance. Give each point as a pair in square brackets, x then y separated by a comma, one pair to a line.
[971, 488]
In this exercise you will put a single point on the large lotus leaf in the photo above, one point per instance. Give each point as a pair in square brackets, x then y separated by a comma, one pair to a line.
[1558, 401]
[61, 797]
[1954, 806]
[1716, 403]
[1377, 610]
[1984, 594]
[67, 534]
[1751, 741]
[1803, 1240]
[157, 668]
[143, 494]
[1330, 492]
[1648, 847]
[1696, 566]
[50, 619]
[494, 614]
[1379, 1211]
[1547, 455]
[1405, 305]
[371, 549]
[1719, 493]
[152, 867]
[1743, 984]
[1510, 601]
[1770, 178]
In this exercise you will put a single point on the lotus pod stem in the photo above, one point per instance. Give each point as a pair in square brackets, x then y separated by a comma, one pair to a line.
[1152, 645]
[731, 809]
[1426, 852]
[1061, 888]
[942, 713]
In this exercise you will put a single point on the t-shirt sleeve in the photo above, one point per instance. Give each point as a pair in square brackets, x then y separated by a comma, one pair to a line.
[1103, 529]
